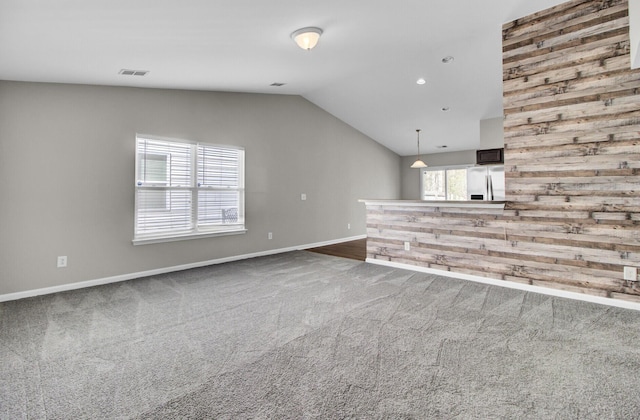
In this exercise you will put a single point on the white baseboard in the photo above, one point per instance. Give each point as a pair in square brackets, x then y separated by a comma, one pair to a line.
[479, 279]
[155, 272]
[512, 285]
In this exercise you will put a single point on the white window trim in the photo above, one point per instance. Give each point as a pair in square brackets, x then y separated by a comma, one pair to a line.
[231, 229]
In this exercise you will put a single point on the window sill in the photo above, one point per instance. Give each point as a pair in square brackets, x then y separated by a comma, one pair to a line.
[161, 239]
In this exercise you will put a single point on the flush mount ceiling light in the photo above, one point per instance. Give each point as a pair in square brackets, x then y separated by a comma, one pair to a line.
[421, 81]
[418, 163]
[448, 59]
[307, 38]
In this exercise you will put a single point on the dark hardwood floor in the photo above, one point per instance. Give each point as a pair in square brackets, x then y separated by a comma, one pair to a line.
[356, 250]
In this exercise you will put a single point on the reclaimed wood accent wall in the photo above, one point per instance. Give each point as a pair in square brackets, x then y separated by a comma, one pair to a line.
[572, 160]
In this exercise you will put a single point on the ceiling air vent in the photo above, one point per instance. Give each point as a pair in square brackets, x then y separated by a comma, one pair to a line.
[127, 72]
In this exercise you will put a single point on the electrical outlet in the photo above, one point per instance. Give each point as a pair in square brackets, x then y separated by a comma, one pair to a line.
[631, 273]
[270, 235]
[303, 197]
[348, 225]
[407, 246]
[62, 261]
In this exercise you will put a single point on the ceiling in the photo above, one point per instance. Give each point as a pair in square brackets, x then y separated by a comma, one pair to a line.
[363, 71]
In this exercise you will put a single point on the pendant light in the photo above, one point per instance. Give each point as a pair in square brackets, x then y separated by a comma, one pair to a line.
[418, 163]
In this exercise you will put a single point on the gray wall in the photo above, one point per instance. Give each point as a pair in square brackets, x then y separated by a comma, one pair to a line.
[67, 172]
[634, 32]
[491, 133]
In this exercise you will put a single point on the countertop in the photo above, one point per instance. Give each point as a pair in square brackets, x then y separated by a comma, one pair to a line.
[481, 204]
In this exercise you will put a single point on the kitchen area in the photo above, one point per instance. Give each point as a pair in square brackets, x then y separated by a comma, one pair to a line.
[452, 212]
[482, 181]
[563, 212]
[447, 167]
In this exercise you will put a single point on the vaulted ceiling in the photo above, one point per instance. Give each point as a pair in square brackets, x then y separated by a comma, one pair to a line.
[363, 71]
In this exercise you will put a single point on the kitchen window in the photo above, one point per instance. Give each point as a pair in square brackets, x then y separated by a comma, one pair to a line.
[444, 183]
[187, 189]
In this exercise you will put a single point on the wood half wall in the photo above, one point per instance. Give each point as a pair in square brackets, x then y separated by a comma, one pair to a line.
[572, 160]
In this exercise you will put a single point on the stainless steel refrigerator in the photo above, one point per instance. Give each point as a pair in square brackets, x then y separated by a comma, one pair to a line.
[485, 182]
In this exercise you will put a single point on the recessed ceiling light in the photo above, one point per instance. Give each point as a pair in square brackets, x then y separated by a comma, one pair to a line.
[277, 84]
[421, 81]
[445, 109]
[448, 59]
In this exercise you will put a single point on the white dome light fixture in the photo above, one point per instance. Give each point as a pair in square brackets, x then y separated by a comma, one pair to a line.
[418, 163]
[307, 38]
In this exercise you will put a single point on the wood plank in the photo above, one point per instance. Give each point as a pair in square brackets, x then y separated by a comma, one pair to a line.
[542, 269]
[582, 70]
[607, 86]
[593, 109]
[574, 128]
[581, 34]
[566, 59]
[555, 28]
[552, 140]
[604, 141]
[550, 20]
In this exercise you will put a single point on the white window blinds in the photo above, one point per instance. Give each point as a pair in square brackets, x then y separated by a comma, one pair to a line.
[185, 189]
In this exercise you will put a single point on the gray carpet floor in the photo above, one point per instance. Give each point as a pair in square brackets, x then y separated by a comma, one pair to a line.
[303, 335]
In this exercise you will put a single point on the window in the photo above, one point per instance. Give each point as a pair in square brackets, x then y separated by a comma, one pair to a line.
[186, 189]
[444, 184]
